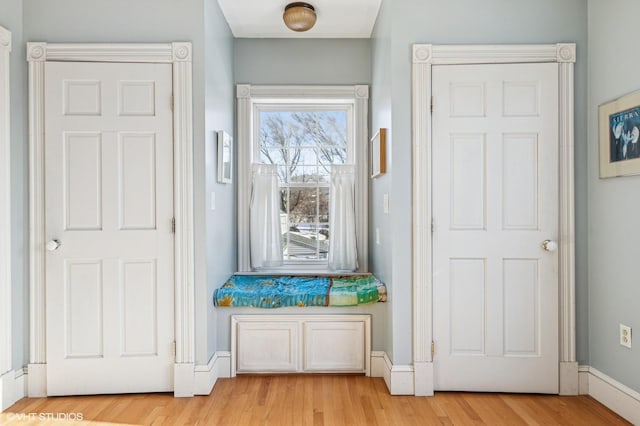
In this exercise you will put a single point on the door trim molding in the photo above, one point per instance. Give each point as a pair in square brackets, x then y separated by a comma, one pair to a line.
[178, 54]
[424, 57]
[5, 202]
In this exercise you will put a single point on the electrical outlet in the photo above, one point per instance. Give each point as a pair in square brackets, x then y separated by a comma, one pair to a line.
[378, 236]
[625, 336]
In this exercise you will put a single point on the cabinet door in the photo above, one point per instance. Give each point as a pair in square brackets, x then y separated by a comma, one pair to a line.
[267, 347]
[334, 346]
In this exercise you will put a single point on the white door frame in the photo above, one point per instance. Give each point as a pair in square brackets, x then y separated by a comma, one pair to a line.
[5, 206]
[424, 57]
[179, 55]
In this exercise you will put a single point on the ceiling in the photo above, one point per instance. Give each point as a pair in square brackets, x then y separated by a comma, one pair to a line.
[335, 18]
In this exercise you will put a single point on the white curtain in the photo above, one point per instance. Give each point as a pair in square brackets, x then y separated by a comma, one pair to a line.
[343, 254]
[266, 236]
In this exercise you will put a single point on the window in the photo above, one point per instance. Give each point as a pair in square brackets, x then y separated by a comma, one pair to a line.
[304, 144]
[303, 131]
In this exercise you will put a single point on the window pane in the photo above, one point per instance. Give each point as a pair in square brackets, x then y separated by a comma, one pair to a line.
[305, 244]
[324, 173]
[273, 155]
[333, 155]
[277, 130]
[304, 174]
[303, 156]
[304, 144]
[325, 130]
[323, 206]
[302, 204]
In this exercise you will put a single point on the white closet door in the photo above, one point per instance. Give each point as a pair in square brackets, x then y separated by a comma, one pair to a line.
[109, 210]
[495, 202]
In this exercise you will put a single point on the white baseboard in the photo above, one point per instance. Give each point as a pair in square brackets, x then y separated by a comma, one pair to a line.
[206, 376]
[37, 381]
[399, 378]
[613, 394]
[12, 388]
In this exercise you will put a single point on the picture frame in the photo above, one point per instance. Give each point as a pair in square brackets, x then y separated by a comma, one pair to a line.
[378, 153]
[225, 157]
[619, 136]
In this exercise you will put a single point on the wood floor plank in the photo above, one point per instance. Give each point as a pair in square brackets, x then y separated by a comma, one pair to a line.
[313, 400]
[492, 409]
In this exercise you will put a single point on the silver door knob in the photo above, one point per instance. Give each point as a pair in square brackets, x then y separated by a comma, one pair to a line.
[53, 245]
[549, 245]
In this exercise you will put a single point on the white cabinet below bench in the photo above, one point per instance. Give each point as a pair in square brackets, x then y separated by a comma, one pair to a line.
[300, 344]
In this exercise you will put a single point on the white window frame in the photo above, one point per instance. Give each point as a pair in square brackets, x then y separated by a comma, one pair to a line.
[255, 98]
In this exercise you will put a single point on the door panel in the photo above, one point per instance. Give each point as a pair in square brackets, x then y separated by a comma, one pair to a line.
[137, 181]
[83, 308]
[468, 203]
[109, 203]
[495, 200]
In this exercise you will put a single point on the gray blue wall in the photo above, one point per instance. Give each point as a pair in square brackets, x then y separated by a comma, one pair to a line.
[302, 61]
[614, 203]
[380, 255]
[462, 22]
[11, 19]
[221, 241]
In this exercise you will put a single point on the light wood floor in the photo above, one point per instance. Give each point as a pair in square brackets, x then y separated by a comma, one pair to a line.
[312, 400]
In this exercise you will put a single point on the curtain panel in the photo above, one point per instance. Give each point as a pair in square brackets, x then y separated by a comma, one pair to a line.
[343, 253]
[265, 232]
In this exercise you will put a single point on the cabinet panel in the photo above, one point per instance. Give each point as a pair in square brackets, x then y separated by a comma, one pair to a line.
[334, 346]
[267, 347]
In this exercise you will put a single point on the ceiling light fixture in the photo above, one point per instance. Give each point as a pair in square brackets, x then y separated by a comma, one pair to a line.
[299, 16]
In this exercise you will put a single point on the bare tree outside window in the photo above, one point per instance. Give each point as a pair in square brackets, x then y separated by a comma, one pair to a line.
[304, 145]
